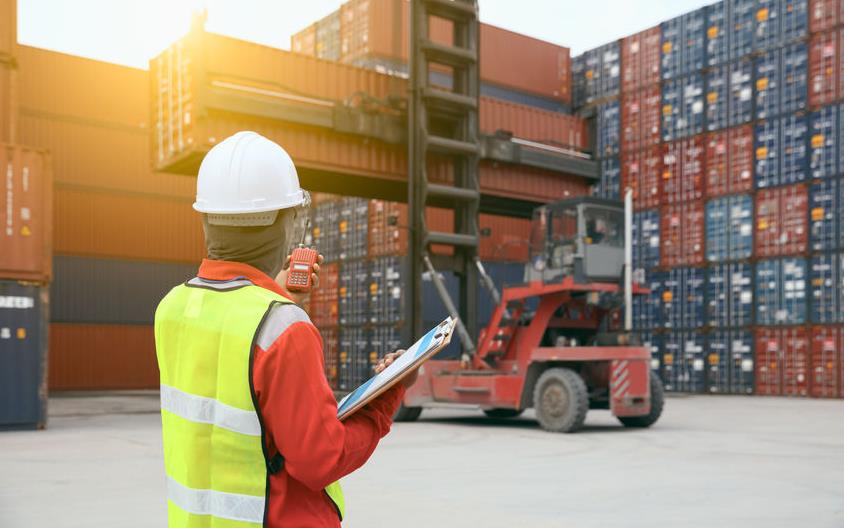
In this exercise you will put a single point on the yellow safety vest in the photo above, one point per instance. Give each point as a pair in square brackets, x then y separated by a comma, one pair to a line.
[217, 472]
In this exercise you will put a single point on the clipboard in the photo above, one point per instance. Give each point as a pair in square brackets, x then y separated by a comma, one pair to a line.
[432, 342]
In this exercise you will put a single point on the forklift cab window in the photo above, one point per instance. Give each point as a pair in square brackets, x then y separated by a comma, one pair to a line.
[563, 237]
[603, 227]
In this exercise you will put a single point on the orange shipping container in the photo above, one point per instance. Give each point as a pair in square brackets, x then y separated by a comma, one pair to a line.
[534, 124]
[8, 104]
[378, 30]
[102, 357]
[8, 28]
[127, 226]
[26, 214]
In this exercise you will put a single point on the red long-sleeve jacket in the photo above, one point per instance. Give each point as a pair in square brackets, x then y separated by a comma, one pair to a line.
[299, 415]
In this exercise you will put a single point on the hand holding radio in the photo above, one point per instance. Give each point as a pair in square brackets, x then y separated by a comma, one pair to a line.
[300, 273]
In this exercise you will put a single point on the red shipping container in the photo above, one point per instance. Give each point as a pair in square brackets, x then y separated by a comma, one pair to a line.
[827, 362]
[387, 228]
[825, 14]
[330, 350]
[102, 357]
[729, 161]
[682, 234]
[507, 238]
[640, 118]
[533, 123]
[641, 171]
[324, 300]
[824, 68]
[782, 361]
[640, 59]
[682, 171]
[781, 221]
[26, 214]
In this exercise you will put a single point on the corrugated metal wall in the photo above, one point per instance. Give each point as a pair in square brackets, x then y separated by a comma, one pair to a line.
[750, 94]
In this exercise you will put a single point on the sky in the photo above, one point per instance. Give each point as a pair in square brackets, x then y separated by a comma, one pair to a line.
[131, 32]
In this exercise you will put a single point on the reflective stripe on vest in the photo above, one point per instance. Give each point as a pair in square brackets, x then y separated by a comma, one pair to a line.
[213, 441]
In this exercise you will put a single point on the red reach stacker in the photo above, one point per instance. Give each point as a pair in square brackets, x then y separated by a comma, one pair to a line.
[552, 342]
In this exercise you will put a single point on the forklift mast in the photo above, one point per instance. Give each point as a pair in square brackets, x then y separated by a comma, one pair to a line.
[444, 122]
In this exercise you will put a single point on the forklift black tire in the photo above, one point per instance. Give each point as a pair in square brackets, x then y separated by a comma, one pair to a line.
[407, 414]
[561, 400]
[503, 413]
[657, 403]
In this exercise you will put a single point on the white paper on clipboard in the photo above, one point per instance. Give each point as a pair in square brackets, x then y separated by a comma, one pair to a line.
[432, 342]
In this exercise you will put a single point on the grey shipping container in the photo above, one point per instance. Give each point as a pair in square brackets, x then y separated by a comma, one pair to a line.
[23, 355]
[683, 298]
[729, 228]
[92, 290]
[683, 44]
[826, 214]
[729, 295]
[824, 142]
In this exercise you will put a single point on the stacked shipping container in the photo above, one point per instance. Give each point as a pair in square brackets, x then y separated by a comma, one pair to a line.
[738, 195]
[373, 34]
[359, 307]
[116, 218]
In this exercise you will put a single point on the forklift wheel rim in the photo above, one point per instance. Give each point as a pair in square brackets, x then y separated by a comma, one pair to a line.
[555, 400]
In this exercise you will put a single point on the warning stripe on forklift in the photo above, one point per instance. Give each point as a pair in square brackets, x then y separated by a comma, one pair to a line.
[620, 379]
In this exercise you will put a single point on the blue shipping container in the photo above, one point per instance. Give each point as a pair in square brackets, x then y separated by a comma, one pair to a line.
[683, 362]
[653, 342]
[780, 146]
[827, 281]
[383, 340]
[24, 326]
[683, 298]
[693, 115]
[647, 309]
[729, 362]
[740, 108]
[683, 44]
[682, 107]
[386, 290]
[502, 274]
[610, 182]
[781, 291]
[729, 228]
[794, 164]
[354, 292]
[729, 295]
[717, 87]
[608, 129]
[354, 216]
[742, 24]
[826, 209]
[717, 49]
[779, 22]
[354, 357]
[824, 142]
[781, 81]
[324, 229]
[768, 72]
[597, 73]
[795, 64]
[645, 242]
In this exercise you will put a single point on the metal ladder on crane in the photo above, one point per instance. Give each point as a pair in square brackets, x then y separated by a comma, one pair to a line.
[445, 123]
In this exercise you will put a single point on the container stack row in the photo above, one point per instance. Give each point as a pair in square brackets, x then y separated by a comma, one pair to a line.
[359, 307]
[373, 34]
[729, 135]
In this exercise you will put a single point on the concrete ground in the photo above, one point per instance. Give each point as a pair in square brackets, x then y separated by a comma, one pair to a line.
[710, 462]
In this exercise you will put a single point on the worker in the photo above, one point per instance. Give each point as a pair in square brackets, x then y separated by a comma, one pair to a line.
[250, 428]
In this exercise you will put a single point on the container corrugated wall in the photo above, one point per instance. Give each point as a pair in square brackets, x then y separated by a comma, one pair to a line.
[23, 355]
[26, 210]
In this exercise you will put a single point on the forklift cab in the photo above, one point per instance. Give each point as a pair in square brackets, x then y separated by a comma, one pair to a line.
[581, 238]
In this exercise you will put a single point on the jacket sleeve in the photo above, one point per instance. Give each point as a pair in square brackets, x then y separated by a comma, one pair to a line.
[299, 411]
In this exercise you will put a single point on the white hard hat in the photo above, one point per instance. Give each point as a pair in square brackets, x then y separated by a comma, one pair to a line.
[245, 179]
